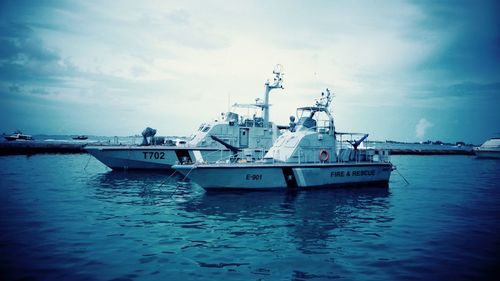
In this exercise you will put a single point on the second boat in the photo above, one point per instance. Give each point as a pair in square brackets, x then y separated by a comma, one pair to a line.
[214, 140]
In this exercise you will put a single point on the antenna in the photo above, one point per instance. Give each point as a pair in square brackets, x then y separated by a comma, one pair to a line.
[278, 69]
[325, 99]
[277, 84]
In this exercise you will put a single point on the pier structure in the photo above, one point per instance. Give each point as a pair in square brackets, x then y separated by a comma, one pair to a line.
[40, 146]
[37, 147]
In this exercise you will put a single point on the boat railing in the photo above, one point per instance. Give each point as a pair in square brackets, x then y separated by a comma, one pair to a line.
[326, 129]
[244, 156]
[303, 156]
[341, 156]
[324, 126]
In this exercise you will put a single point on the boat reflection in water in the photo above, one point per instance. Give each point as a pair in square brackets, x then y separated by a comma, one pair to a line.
[135, 187]
[273, 234]
[311, 219]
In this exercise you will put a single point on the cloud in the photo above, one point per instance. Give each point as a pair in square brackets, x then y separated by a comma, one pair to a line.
[421, 127]
[452, 96]
[137, 71]
[144, 61]
[476, 89]
[469, 35]
[25, 58]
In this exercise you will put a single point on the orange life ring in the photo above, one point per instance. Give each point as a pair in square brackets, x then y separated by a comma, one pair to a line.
[323, 155]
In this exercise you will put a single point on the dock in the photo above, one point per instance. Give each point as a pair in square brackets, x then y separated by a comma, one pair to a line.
[431, 151]
[423, 149]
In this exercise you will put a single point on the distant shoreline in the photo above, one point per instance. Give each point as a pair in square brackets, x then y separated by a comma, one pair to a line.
[65, 144]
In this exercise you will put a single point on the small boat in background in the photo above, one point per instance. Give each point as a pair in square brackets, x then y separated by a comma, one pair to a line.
[489, 149]
[18, 135]
[82, 137]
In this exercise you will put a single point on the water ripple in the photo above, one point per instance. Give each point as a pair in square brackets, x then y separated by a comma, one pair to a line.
[59, 221]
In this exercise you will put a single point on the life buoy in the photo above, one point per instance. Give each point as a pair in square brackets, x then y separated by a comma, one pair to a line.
[323, 155]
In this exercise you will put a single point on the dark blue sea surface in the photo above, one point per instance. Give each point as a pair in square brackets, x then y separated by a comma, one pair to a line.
[68, 217]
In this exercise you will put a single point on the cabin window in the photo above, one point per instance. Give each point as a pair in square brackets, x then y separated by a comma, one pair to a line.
[206, 129]
[307, 122]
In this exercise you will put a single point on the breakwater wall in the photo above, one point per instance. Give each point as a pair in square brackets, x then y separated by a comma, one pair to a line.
[423, 149]
[431, 152]
[36, 147]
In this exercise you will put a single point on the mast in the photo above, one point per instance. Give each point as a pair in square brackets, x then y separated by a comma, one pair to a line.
[277, 84]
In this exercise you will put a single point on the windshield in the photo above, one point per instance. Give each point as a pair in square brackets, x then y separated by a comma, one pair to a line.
[307, 122]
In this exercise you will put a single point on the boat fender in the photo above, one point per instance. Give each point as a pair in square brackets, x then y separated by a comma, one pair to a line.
[323, 155]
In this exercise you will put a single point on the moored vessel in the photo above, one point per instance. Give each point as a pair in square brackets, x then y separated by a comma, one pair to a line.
[489, 149]
[18, 135]
[311, 154]
[80, 137]
[251, 135]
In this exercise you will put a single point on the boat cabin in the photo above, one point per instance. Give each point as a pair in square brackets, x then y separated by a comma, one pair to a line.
[314, 139]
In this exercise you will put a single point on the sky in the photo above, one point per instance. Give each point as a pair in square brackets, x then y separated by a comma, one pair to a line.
[400, 70]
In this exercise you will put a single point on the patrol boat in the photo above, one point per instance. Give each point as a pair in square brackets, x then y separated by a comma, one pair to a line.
[308, 155]
[251, 135]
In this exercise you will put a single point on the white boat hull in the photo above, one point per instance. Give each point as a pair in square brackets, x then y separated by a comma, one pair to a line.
[489, 149]
[291, 176]
[152, 157]
[487, 153]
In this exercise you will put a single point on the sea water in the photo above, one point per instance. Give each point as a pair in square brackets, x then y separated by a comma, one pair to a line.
[68, 217]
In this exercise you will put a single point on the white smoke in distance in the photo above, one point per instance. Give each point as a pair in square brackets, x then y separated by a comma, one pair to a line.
[421, 128]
